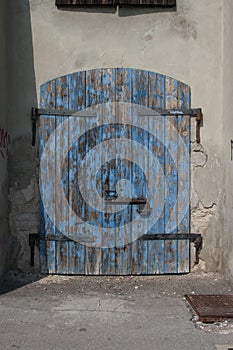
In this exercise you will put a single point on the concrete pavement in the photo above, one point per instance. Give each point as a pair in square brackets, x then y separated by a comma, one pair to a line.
[63, 312]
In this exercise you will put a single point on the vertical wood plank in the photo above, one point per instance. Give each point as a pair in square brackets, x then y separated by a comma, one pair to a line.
[139, 134]
[171, 177]
[156, 146]
[183, 165]
[123, 94]
[62, 171]
[47, 126]
[51, 249]
[94, 92]
[76, 258]
[77, 91]
[183, 213]
[77, 102]
[109, 169]
[94, 96]
[157, 87]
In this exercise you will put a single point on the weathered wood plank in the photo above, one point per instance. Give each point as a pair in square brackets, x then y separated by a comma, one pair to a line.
[51, 256]
[77, 102]
[62, 254]
[139, 178]
[157, 84]
[109, 177]
[183, 195]
[171, 177]
[94, 93]
[77, 258]
[183, 164]
[61, 173]
[123, 168]
[156, 146]
[77, 91]
[94, 96]
[47, 126]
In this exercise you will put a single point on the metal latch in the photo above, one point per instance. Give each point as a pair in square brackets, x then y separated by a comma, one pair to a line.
[130, 201]
[144, 210]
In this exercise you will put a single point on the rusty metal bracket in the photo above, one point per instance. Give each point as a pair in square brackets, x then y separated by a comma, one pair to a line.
[192, 112]
[37, 112]
[199, 120]
[195, 238]
[34, 238]
[34, 117]
[231, 150]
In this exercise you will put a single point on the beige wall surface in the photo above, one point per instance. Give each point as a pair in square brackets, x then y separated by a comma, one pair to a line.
[227, 120]
[186, 44]
[4, 144]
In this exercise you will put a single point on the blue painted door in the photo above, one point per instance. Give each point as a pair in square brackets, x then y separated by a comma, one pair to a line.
[113, 172]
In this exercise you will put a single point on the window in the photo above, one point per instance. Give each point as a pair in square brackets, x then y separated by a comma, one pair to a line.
[153, 3]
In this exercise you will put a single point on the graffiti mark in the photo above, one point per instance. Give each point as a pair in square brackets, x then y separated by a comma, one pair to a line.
[4, 142]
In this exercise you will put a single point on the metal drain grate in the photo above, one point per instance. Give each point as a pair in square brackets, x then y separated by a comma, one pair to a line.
[212, 308]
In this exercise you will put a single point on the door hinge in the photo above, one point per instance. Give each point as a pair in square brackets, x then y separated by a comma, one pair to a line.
[195, 238]
[37, 112]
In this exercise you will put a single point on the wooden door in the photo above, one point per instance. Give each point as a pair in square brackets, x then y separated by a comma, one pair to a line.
[113, 172]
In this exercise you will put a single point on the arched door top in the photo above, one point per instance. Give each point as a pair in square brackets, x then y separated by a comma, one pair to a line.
[90, 87]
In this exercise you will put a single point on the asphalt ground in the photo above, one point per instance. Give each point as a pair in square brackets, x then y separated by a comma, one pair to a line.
[90, 312]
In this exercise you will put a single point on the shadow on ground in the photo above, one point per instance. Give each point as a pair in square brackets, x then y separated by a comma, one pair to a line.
[15, 280]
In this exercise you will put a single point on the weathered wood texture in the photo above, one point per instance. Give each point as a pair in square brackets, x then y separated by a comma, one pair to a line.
[75, 3]
[105, 86]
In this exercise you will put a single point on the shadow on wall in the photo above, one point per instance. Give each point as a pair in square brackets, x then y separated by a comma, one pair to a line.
[23, 191]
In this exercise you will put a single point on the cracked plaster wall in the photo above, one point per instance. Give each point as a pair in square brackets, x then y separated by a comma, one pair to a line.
[177, 43]
[227, 188]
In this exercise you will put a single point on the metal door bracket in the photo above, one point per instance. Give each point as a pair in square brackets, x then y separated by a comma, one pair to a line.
[199, 120]
[34, 238]
[192, 112]
[195, 238]
[37, 112]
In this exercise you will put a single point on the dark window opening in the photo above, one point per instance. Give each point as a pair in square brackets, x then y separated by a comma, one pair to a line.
[152, 3]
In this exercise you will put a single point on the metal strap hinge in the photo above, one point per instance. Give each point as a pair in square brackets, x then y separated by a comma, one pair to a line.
[192, 112]
[195, 238]
[37, 112]
[192, 237]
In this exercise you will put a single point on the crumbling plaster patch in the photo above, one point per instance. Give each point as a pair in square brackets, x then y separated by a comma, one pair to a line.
[205, 216]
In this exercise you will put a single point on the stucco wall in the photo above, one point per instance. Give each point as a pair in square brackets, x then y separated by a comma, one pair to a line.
[185, 44]
[227, 207]
[4, 141]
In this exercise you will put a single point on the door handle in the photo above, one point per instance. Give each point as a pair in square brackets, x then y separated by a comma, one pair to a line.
[130, 201]
[110, 195]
